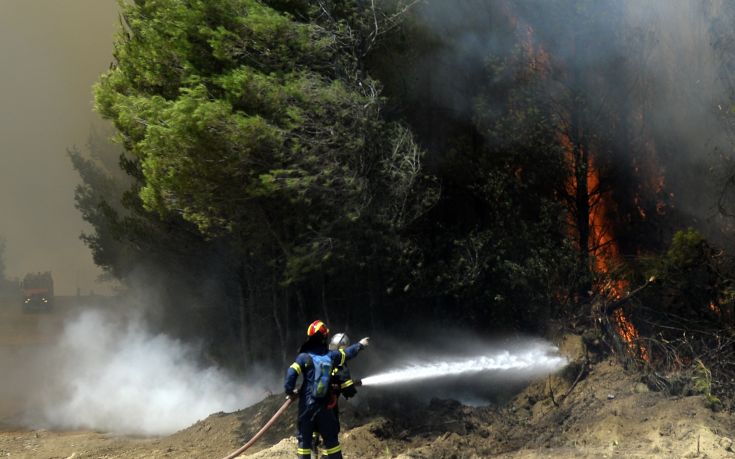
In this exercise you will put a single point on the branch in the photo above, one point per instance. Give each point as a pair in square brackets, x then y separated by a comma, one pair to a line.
[610, 307]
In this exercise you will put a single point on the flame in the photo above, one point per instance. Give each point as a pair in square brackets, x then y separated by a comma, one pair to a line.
[714, 307]
[605, 251]
[602, 244]
[603, 248]
[629, 333]
[606, 254]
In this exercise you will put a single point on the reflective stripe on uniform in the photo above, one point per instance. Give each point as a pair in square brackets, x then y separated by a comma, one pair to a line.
[346, 384]
[296, 367]
[302, 451]
[329, 451]
[344, 357]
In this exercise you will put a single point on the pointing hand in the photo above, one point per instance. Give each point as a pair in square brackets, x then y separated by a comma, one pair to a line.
[365, 342]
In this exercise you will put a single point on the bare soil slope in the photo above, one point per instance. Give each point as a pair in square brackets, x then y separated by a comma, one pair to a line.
[610, 413]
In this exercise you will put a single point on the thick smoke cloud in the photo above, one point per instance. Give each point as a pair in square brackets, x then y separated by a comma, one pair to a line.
[112, 373]
[681, 72]
[656, 60]
[120, 377]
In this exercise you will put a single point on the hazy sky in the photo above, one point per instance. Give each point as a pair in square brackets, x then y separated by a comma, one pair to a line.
[51, 52]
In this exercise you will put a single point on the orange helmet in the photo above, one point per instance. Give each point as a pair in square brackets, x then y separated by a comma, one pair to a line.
[317, 327]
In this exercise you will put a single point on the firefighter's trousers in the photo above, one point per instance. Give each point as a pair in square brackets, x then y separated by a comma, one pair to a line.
[325, 422]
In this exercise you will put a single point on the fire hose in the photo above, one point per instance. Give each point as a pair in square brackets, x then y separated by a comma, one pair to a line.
[260, 433]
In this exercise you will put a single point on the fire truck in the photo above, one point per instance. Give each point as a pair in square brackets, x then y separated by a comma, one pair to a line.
[38, 291]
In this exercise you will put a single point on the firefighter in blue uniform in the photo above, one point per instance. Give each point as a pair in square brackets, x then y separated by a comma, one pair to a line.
[341, 383]
[315, 363]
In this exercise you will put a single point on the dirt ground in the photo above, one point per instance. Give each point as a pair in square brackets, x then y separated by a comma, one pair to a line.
[608, 413]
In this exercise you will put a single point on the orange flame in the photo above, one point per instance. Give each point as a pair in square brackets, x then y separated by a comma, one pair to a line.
[629, 333]
[603, 247]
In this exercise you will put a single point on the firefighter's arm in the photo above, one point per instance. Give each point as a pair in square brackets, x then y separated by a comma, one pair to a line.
[340, 356]
[292, 374]
[347, 386]
[347, 389]
[345, 382]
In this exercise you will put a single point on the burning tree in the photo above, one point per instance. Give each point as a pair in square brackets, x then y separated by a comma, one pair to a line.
[528, 173]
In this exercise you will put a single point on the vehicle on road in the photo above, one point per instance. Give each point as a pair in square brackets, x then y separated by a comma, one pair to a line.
[38, 292]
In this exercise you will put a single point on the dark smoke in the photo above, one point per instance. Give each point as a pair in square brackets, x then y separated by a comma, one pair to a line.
[654, 66]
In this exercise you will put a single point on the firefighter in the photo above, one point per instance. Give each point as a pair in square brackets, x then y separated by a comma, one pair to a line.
[316, 363]
[341, 383]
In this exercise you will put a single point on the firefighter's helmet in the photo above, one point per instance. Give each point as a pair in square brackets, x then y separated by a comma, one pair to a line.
[339, 341]
[317, 327]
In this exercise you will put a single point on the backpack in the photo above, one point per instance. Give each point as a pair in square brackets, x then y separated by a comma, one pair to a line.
[322, 375]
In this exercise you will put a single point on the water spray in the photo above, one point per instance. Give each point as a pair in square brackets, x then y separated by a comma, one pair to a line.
[539, 360]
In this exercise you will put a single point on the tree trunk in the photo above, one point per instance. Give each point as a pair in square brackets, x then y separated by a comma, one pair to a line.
[251, 317]
[325, 308]
[244, 316]
[582, 202]
[288, 323]
[301, 302]
[373, 295]
[581, 156]
[277, 319]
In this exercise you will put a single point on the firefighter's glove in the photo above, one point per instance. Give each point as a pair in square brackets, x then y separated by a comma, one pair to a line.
[349, 392]
[365, 342]
[292, 394]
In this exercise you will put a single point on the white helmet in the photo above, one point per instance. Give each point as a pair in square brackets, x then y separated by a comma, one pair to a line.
[339, 340]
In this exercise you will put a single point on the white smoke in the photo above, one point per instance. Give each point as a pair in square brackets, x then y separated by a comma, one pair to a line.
[537, 360]
[115, 375]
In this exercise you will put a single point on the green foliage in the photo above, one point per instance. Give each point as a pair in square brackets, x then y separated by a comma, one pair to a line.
[688, 249]
[125, 236]
[145, 250]
[240, 122]
[688, 275]
[702, 380]
[253, 127]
